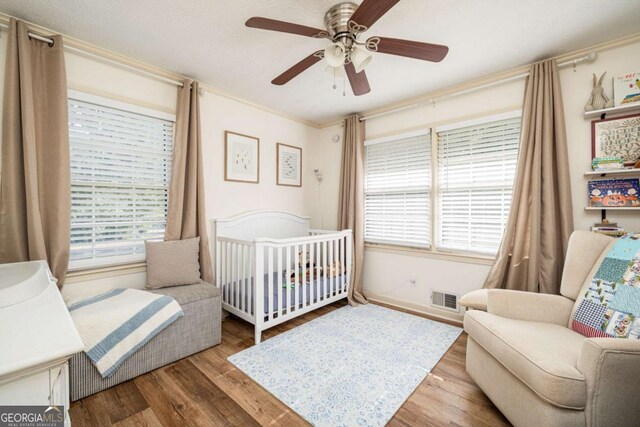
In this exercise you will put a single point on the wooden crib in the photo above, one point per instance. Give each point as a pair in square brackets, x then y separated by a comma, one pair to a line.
[271, 267]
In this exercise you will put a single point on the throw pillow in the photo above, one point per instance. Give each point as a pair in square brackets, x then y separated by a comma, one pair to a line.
[173, 263]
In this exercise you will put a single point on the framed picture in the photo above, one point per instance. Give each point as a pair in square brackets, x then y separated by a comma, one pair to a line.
[289, 165]
[242, 158]
[626, 89]
[617, 137]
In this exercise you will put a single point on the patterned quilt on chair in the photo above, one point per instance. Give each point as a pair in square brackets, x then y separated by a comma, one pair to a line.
[611, 307]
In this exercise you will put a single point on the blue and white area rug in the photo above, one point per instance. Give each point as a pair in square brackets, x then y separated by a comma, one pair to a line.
[352, 367]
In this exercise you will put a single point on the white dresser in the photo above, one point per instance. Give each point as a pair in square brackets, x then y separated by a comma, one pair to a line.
[37, 336]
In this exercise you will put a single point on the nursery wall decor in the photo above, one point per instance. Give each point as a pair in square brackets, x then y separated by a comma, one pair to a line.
[598, 99]
[289, 165]
[626, 89]
[618, 136]
[614, 193]
[242, 158]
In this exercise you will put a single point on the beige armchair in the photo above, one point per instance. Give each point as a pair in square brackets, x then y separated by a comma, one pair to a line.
[524, 355]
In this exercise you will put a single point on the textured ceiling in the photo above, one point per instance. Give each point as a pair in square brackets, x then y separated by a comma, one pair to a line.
[207, 40]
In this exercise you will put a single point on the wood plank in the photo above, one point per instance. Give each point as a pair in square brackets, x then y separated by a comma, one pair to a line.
[221, 408]
[146, 418]
[205, 389]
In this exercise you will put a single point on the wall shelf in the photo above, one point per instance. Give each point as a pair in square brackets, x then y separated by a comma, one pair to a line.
[605, 208]
[613, 110]
[616, 172]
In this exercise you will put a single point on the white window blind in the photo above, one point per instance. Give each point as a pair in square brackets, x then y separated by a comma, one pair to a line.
[476, 168]
[397, 185]
[120, 171]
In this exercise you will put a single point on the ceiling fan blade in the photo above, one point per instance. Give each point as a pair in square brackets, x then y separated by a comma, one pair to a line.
[298, 68]
[359, 82]
[370, 11]
[284, 27]
[411, 49]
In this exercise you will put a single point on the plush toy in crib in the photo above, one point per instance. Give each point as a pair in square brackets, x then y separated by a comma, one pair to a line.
[335, 269]
[305, 267]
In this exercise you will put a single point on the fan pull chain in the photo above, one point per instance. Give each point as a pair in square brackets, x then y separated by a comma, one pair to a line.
[334, 79]
[344, 90]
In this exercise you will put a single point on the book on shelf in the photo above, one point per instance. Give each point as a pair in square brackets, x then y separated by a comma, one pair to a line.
[609, 231]
[614, 193]
[607, 163]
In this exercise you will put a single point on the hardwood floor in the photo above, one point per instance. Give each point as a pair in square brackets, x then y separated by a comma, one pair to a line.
[206, 390]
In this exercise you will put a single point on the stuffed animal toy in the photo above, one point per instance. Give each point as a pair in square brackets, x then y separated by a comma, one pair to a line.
[598, 100]
[305, 267]
[335, 269]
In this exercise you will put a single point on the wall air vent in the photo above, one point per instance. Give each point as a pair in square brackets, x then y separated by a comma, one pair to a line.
[445, 300]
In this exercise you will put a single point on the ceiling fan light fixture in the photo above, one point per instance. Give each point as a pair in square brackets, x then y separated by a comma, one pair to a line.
[335, 54]
[360, 58]
[335, 71]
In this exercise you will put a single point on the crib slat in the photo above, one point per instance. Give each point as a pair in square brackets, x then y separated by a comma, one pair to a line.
[252, 280]
[324, 269]
[312, 263]
[336, 280]
[304, 275]
[226, 272]
[296, 288]
[234, 274]
[287, 305]
[332, 262]
[245, 279]
[270, 281]
[340, 243]
[280, 283]
[219, 281]
[343, 262]
[248, 278]
[229, 280]
[318, 271]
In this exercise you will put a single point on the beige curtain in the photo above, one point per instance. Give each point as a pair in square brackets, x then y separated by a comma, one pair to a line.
[351, 204]
[533, 249]
[186, 217]
[35, 192]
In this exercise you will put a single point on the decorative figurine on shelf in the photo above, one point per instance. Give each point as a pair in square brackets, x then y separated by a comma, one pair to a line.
[598, 99]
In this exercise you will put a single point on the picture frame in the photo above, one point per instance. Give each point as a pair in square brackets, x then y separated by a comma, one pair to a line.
[241, 158]
[626, 89]
[288, 165]
[617, 137]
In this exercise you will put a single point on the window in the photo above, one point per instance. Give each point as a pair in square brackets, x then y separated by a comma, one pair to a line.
[397, 186]
[120, 170]
[476, 168]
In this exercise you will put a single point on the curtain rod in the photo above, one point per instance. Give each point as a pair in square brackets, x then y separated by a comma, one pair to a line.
[589, 57]
[102, 59]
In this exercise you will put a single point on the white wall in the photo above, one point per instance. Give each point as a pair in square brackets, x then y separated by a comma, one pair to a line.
[389, 274]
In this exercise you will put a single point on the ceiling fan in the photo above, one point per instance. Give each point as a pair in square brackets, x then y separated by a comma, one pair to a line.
[345, 22]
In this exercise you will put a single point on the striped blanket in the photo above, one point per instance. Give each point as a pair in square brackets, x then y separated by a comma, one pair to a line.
[115, 324]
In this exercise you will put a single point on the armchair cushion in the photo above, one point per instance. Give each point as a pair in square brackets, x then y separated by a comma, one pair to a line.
[519, 305]
[543, 356]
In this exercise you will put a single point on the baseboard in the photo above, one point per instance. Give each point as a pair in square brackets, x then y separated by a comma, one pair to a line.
[415, 308]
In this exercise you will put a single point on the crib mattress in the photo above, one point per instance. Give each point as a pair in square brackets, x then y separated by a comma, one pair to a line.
[238, 296]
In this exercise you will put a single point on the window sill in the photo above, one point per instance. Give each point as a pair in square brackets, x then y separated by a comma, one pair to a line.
[92, 273]
[429, 253]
